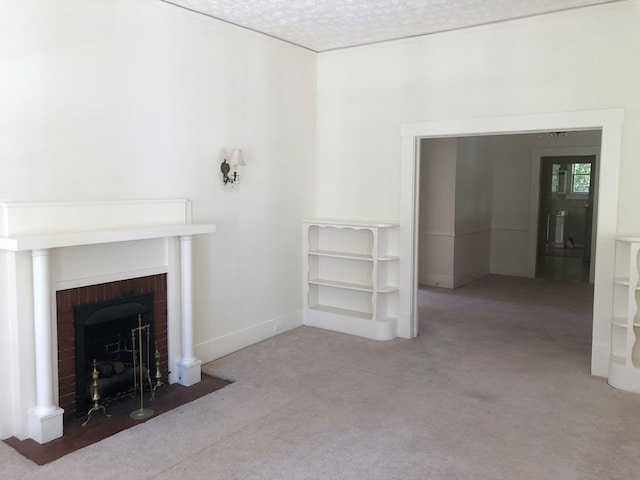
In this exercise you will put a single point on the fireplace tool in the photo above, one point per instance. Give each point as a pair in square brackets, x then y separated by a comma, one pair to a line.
[95, 396]
[159, 381]
[141, 369]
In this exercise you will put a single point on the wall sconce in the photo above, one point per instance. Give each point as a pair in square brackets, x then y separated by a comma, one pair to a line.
[229, 170]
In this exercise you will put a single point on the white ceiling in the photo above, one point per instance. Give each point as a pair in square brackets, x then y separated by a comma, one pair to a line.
[321, 25]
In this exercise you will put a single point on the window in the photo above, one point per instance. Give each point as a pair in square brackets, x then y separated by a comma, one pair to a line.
[581, 178]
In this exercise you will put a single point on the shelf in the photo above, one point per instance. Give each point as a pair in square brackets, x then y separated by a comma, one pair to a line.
[628, 238]
[622, 322]
[342, 311]
[387, 289]
[349, 223]
[345, 255]
[623, 370]
[619, 322]
[616, 359]
[344, 285]
[353, 323]
[345, 261]
[624, 281]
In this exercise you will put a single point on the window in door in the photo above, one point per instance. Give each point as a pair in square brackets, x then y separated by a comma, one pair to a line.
[580, 178]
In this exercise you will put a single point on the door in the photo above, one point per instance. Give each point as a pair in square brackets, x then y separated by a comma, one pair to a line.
[565, 217]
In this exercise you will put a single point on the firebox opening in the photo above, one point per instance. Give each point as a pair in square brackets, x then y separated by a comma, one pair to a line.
[106, 332]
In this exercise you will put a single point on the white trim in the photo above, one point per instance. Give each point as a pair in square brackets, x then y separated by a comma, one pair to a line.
[468, 233]
[510, 228]
[111, 277]
[340, 222]
[75, 238]
[226, 344]
[610, 121]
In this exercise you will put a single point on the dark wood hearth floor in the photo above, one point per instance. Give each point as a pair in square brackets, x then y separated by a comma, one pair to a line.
[76, 436]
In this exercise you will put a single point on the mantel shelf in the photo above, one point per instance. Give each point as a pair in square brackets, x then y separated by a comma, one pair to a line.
[73, 239]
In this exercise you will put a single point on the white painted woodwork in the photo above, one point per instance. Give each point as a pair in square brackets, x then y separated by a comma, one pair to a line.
[41, 258]
[351, 277]
[189, 366]
[624, 363]
[46, 417]
[610, 121]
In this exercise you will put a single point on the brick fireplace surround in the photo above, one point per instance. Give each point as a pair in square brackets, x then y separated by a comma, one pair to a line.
[57, 255]
[66, 300]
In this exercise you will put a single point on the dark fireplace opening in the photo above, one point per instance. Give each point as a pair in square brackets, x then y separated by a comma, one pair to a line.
[116, 334]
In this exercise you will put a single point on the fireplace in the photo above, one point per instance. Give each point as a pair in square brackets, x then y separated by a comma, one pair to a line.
[95, 322]
[78, 253]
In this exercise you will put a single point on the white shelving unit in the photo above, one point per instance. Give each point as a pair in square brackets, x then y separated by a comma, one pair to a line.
[624, 365]
[351, 277]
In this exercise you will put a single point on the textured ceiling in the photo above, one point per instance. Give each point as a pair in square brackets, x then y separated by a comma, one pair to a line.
[321, 25]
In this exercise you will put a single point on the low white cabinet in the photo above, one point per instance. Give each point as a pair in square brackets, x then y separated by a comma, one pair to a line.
[624, 364]
[351, 277]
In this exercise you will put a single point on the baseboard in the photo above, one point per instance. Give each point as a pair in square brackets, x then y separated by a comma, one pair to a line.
[509, 269]
[374, 330]
[468, 277]
[232, 342]
[436, 280]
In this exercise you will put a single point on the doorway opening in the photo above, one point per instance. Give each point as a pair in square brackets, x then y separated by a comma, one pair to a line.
[477, 216]
[565, 217]
[608, 121]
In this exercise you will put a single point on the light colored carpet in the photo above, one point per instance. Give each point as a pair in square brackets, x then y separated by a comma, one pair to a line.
[496, 387]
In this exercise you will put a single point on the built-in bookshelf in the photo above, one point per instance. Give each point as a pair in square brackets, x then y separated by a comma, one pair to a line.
[624, 364]
[351, 277]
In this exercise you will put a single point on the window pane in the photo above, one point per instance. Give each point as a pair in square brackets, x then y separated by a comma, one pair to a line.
[582, 168]
[581, 177]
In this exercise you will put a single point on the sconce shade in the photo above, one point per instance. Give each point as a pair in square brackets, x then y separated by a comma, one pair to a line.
[236, 158]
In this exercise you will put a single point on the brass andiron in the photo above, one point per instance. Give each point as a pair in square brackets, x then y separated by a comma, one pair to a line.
[142, 412]
[96, 395]
[159, 381]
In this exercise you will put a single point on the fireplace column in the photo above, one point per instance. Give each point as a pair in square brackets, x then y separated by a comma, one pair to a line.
[45, 421]
[188, 366]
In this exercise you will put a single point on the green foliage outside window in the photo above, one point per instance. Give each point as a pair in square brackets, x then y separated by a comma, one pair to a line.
[581, 178]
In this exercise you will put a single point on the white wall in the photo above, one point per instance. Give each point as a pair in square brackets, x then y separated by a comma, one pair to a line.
[473, 210]
[437, 212]
[455, 211]
[511, 160]
[580, 59]
[545, 67]
[125, 99]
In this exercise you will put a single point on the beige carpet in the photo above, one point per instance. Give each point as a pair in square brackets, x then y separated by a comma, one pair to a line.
[496, 387]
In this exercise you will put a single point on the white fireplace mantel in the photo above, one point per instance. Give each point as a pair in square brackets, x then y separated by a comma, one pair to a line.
[30, 234]
[19, 243]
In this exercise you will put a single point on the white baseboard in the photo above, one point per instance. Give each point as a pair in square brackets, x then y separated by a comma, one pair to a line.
[232, 342]
[375, 330]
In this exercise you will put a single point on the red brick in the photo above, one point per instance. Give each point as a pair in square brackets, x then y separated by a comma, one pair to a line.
[67, 299]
